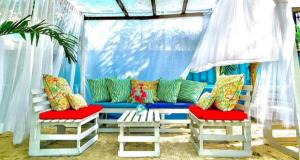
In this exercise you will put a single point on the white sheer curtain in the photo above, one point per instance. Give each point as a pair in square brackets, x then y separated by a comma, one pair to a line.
[275, 97]
[238, 32]
[70, 20]
[254, 31]
[22, 64]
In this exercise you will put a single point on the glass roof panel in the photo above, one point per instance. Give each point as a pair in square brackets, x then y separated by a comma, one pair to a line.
[100, 7]
[141, 7]
[164, 7]
[200, 5]
[138, 7]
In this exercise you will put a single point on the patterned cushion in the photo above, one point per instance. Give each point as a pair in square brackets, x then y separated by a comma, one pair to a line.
[153, 85]
[206, 100]
[57, 90]
[98, 89]
[137, 92]
[168, 90]
[227, 91]
[119, 89]
[76, 101]
[190, 91]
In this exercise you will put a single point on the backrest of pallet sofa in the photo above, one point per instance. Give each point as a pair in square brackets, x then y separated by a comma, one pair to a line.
[245, 99]
[39, 100]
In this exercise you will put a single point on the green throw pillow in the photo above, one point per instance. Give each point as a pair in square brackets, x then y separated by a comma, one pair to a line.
[168, 90]
[190, 91]
[119, 89]
[98, 89]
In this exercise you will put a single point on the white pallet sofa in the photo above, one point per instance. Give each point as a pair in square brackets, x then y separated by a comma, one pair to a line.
[198, 137]
[42, 105]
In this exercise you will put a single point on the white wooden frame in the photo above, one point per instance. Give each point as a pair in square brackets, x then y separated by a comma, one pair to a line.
[164, 122]
[198, 137]
[41, 104]
[149, 119]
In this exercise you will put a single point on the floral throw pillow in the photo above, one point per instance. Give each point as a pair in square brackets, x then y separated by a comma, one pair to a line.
[148, 86]
[76, 101]
[206, 100]
[140, 95]
[227, 90]
[57, 90]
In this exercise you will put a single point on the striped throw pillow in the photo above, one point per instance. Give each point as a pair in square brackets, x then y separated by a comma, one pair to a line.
[119, 89]
[168, 90]
[98, 90]
[190, 91]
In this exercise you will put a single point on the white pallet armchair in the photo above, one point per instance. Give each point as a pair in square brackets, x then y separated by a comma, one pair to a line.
[40, 105]
[198, 137]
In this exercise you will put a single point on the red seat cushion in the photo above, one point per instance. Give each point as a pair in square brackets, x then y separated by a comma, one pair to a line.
[71, 114]
[214, 114]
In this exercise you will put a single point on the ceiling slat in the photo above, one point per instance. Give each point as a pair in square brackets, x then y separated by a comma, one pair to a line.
[184, 6]
[121, 5]
[153, 7]
[144, 17]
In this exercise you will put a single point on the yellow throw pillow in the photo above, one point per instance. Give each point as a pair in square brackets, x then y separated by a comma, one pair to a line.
[153, 85]
[206, 100]
[57, 90]
[77, 101]
[227, 90]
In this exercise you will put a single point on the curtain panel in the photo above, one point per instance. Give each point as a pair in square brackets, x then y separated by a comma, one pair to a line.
[22, 64]
[254, 31]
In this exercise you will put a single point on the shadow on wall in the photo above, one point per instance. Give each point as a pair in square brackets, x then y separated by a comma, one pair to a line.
[146, 50]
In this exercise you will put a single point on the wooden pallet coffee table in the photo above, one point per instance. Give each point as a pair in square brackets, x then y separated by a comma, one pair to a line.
[148, 119]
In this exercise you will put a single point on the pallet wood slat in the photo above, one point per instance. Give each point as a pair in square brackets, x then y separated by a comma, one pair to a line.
[144, 116]
[150, 116]
[130, 116]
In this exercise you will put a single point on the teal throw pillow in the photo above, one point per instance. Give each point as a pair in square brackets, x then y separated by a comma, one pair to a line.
[98, 90]
[168, 90]
[190, 91]
[119, 89]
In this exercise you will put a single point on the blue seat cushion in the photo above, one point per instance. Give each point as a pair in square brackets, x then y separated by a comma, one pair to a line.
[178, 105]
[117, 105]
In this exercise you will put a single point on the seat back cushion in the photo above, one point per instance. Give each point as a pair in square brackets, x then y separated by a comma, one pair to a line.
[77, 101]
[119, 89]
[57, 90]
[168, 90]
[99, 90]
[227, 91]
[190, 91]
[206, 100]
[153, 86]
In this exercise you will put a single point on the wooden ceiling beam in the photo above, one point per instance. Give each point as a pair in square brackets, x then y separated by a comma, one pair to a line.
[184, 5]
[90, 17]
[121, 5]
[153, 7]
